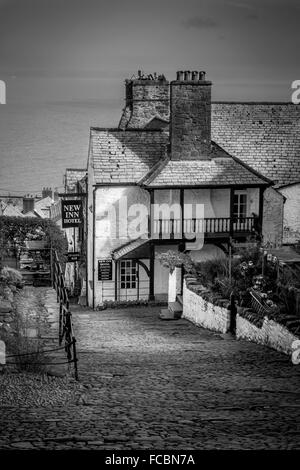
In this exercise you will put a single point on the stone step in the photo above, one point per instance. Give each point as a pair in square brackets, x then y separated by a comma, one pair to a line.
[175, 308]
[166, 314]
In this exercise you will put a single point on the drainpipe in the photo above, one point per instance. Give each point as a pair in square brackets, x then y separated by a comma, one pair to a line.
[86, 240]
[94, 237]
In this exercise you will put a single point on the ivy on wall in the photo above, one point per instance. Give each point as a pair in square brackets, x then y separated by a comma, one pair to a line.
[15, 231]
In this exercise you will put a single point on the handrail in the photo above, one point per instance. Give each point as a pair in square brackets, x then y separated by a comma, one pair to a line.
[65, 316]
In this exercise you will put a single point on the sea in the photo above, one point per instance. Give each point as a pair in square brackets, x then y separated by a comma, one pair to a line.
[38, 141]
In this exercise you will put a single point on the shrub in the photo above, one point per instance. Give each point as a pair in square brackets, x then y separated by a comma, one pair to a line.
[174, 259]
[14, 231]
[11, 276]
[208, 271]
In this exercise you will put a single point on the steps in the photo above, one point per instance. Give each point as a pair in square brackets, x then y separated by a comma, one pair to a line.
[173, 312]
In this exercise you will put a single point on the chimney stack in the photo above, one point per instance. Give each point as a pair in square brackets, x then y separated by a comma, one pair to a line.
[190, 116]
[28, 204]
[146, 97]
[46, 192]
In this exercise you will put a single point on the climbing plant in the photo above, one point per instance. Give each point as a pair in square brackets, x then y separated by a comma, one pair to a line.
[15, 231]
[174, 259]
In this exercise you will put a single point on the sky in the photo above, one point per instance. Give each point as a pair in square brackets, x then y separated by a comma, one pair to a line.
[82, 49]
[56, 52]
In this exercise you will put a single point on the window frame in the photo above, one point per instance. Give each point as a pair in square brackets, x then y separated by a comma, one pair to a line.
[128, 274]
[240, 214]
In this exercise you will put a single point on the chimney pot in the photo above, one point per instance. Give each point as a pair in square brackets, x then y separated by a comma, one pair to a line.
[202, 75]
[180, 76]
[195, 75]
[187, 75]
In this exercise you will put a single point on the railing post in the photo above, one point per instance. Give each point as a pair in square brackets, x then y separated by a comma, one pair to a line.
[233, 312]
[172, 229]
[60, 333]
[65, 322]
[75, 360]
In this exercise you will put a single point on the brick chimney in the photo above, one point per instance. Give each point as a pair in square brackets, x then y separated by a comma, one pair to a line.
[190, 116]
[146, 97]
[28, 204]
[46, 192]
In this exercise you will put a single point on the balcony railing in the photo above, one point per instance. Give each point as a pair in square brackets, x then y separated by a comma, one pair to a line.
[172, 228]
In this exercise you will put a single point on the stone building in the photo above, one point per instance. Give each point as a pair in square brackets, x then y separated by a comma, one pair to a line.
[171, 171]
[174, 147]
[265, 136]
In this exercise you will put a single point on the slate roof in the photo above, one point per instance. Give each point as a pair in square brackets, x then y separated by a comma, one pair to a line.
[10, 210]
[119, 156]
[42, 207]
[129, 248]
[221, 169]
[139, 156]
[72, 176]
[266, 136]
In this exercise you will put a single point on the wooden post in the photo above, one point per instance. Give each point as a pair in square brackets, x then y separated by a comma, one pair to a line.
[261, 208]
[51, 266]
[75, 358]
[233, 312]
[151, 280]
[116, 279]
[230, 259]
[231, 211]
[182, 211]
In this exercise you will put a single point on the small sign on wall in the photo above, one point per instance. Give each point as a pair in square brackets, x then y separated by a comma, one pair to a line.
[73, 256]
[105, 270]
[2, 353]
[72, 214]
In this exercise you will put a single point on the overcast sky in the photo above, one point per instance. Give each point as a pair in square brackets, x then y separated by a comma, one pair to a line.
[61, 50]
[65, 61]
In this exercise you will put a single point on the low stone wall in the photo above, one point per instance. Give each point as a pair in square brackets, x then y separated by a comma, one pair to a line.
[204, 313]
[270, 334]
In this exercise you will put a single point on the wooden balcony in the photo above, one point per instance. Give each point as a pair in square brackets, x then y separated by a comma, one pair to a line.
[211, 227]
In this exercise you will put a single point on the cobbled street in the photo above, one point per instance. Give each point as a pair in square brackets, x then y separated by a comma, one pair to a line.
[153, 384]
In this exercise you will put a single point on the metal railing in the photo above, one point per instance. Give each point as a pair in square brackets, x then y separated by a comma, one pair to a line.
[210, 225]
[258, 304]
[66, 332]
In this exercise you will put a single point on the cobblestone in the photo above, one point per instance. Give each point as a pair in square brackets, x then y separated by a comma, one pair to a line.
[149, 384]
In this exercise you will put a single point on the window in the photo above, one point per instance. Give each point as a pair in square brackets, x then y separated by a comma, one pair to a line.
[128, 274]
[240, 204]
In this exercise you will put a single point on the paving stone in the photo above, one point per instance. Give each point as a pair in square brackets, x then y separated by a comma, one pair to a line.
[22, 445]
[150, 384]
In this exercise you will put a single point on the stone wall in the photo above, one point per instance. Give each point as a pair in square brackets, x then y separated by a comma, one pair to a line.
[145, 100]
[190, 120]
[203, 313]
[291, 213]
[271, 334]
[273, 216]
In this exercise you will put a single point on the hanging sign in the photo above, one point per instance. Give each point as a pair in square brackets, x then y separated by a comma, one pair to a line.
[72, 214]
[104, 270]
